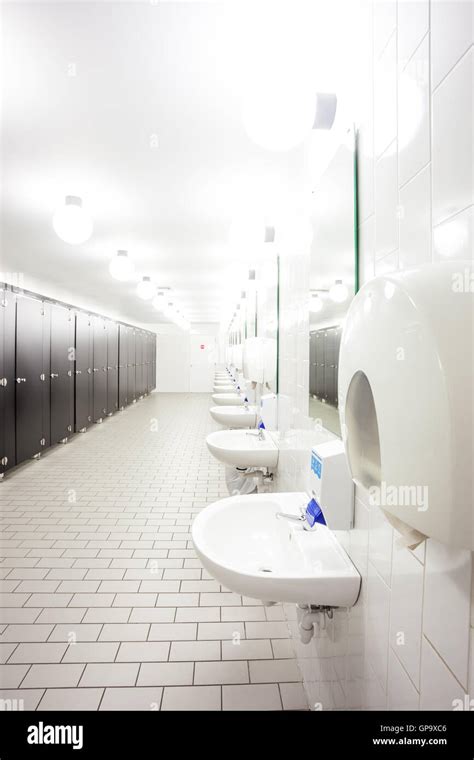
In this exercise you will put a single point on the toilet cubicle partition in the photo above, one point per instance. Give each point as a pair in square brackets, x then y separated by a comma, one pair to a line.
[61, 369]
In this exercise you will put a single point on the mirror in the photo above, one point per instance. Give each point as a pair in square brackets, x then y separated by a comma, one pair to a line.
[333, 277]
[253, 334]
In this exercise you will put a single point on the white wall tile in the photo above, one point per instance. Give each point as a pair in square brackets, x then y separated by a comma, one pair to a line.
[359, 539]
[380, 543]
[385, 98]
[366, 177]
[453, 125]
[378, 618]
[385, 20]
[400, 146]
[375, 693]
[414, 114]
[415, 221]
[402, 695]
[386, 264]
[451, 35]
[386, 202]
[454, 238]
[406, 610]
[412, 24]
[367, 250]
[439, 687]
[446, 611]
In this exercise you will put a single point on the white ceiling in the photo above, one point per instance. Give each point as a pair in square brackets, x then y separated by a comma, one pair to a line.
[172, 69]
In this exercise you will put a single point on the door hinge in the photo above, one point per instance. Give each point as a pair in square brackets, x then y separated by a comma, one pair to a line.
[4, 461]
[43, 376]
[43, 441]
[4, 382]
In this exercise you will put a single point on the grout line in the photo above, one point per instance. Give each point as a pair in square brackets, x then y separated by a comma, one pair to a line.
[459, 60]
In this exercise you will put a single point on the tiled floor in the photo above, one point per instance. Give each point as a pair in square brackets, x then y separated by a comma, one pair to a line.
[104, 604]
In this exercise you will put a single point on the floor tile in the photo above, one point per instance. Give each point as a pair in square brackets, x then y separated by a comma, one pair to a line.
[92, 651]
[271, 671]
[172, 631]
[166, 673]
[143, 651]
[113, 586]
[71, 699]
[253, 697]
[110, 674]
[221, 672]
[52, 676]
[191, 698]
[195, 650]
[246, 649]
[126, 632]
[12, 675]
[30, 652]
[20, 699]
[144, 698]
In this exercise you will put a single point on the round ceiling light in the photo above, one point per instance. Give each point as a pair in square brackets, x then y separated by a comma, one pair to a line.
[315, 303]
[121, 267]
[278, 115]
[71, 223]
[145, 289]
[338, 292]
[159, 302]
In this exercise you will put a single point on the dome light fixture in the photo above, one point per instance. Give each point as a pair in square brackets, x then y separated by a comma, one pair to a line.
[338, 292]
[71, 223]
[121, 267]
[315, 303]
[159, 302]
[145, 289]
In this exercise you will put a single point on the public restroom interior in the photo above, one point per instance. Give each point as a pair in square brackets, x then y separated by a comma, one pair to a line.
[236, 336]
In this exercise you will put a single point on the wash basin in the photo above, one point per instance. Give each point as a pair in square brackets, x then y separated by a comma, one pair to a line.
[226, 399]
[244, 546]
[235, 416]
[243, 448]
[228, 388]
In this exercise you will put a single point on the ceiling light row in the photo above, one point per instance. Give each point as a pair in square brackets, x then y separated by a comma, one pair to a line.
[72, 223]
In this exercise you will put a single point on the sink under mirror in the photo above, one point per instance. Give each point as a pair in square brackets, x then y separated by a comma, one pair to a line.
[333, 278]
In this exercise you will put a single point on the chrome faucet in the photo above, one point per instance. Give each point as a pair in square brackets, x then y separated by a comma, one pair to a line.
[257, 434]
[296, 518]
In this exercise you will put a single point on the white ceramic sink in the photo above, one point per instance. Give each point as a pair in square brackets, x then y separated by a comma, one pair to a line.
[243, 448]
[228, 388]
[234, 416]
[249, 550]
[226, 399]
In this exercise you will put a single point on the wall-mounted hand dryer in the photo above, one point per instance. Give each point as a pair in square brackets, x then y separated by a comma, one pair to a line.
[406, 397]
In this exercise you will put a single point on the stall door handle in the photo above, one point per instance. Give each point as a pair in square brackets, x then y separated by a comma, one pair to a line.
[54, 374]
[21, 379]
[78, 371]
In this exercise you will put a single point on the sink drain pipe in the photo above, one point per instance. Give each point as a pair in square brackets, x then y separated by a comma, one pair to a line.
[310, 616]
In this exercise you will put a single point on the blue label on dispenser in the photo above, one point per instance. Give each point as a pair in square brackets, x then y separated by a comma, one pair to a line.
[314, 513]
[316, 465]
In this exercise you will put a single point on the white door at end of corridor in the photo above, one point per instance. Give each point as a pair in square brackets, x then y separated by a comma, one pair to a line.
[203, 363]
